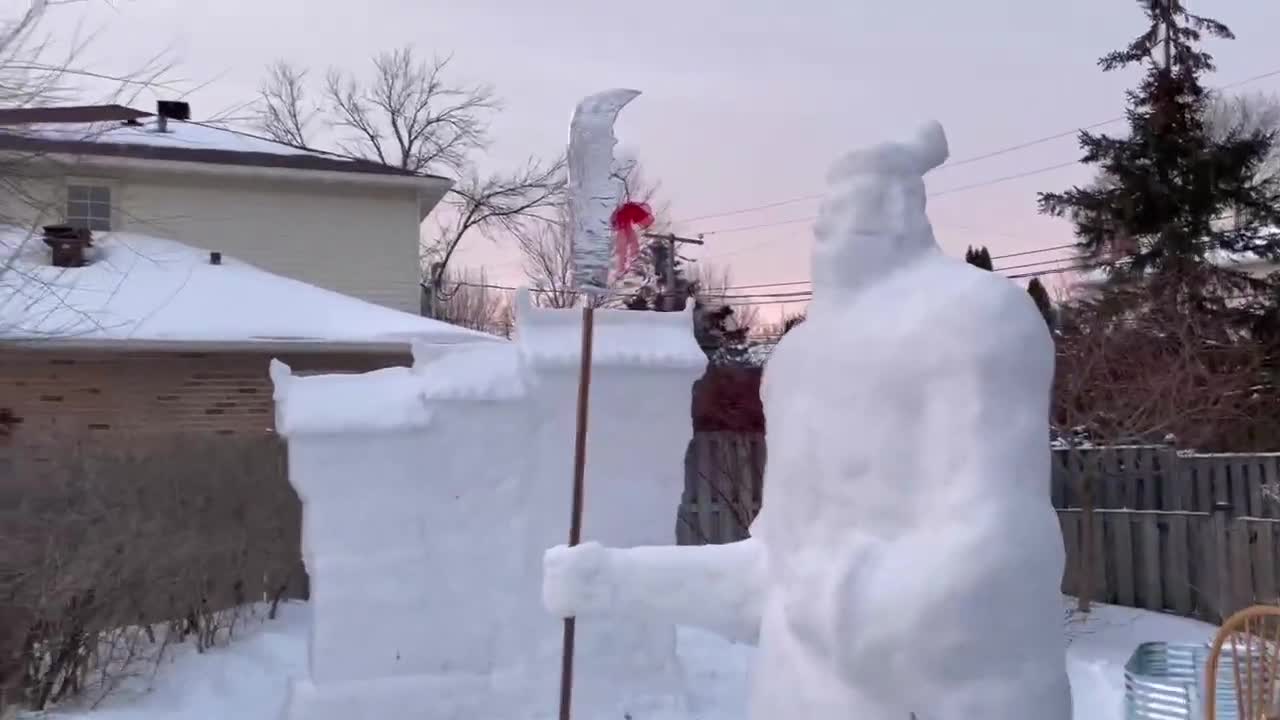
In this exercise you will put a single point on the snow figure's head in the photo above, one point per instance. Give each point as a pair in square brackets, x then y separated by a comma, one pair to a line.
[873, 218]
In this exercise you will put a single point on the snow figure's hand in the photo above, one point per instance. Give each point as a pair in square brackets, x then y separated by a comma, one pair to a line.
[576, 580]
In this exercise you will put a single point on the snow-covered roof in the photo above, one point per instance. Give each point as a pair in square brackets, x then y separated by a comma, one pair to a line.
[138, 136]
[147, 289]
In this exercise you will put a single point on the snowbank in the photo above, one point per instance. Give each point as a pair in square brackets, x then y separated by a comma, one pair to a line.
[249, 680]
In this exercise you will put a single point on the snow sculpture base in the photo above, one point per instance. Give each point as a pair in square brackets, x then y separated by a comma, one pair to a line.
[415, 696]
[429, 494]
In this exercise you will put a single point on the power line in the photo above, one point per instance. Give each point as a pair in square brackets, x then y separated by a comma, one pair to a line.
[1006, 178]
[805, 295]
[1051, 248]
[977, 158]
[948, 191]
[1034, 252]
[1039, 263]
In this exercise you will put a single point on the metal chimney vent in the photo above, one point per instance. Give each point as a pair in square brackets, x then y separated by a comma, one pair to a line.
[166, 109]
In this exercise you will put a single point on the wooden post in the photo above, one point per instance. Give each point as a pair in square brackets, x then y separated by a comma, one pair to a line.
[1220, 524]
[1084, 564]
[579, 474]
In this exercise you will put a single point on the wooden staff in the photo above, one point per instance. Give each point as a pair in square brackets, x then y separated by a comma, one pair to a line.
[579, 473]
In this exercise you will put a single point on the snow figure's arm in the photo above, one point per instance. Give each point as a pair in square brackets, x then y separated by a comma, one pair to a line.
[717, 587]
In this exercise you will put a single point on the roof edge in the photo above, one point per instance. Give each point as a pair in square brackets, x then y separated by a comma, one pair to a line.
[433, 185]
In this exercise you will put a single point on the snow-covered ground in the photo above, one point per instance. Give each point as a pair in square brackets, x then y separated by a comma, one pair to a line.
[248, 679]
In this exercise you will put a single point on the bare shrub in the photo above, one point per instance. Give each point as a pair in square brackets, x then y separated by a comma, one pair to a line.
[121, 548]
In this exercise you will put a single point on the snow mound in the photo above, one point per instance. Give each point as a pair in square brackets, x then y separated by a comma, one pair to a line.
[249, 680]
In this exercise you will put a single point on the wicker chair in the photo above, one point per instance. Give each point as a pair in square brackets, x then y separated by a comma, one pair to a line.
[1252, 639]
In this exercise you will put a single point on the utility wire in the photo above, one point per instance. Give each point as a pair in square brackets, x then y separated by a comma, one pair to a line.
[811, 218]
[977, 158]
[803, 295]
[1022, 253]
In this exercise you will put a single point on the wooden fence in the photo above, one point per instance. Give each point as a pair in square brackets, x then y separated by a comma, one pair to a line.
[1146, 527]
[723, 481]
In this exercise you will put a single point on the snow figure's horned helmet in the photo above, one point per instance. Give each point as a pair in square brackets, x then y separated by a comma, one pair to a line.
[879, 191]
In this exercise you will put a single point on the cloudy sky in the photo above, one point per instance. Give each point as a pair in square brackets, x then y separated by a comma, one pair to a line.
[745, 102]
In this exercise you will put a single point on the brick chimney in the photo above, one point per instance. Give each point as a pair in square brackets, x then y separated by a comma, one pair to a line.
[68, 244]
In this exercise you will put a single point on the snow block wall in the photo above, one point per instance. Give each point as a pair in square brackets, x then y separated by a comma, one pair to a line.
[429, 494]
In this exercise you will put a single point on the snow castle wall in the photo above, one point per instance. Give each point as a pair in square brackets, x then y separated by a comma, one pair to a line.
[430, 493]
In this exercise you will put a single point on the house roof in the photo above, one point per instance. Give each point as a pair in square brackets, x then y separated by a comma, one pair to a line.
[122, 132]
[70, 113]
[140, 289]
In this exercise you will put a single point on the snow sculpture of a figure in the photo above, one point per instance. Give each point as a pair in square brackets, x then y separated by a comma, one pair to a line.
[906, 560]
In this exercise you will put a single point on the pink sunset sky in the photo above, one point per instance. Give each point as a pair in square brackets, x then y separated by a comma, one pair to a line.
[745, 102]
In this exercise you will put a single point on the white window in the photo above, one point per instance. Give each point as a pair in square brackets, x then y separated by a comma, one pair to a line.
[89, 206]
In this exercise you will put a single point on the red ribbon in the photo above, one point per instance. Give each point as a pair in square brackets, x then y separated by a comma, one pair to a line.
[627, 221]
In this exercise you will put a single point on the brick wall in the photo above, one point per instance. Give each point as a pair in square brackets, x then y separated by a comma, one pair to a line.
[54, 392]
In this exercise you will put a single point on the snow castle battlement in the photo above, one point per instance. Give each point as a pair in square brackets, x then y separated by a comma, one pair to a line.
[429, 494]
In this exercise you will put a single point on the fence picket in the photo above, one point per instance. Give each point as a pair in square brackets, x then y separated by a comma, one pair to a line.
[1174, 564]
[1122, 553]
[1148, 593]
[1271, 478]
[1098, 561]
[1070, 522]
[1241, 570]
[1263, 562]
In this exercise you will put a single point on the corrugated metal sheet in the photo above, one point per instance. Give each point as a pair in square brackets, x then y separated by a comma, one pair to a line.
[1165, 681]
[1161, 681]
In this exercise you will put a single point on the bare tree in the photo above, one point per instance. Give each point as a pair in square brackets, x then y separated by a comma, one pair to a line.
[412, 116]
[31, 74]
[468, 299]
[496, 205]
[548, 263]
[285, 113]
[712, 287]
[1132, 381]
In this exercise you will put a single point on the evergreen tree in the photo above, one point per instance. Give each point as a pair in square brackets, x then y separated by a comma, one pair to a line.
[715, 324]
[1040, 296]
[1172, 195]
[980, 257]
[718, 334]
[791, 322]
[649, 280]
